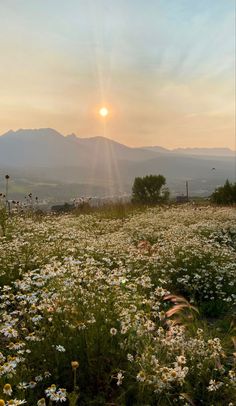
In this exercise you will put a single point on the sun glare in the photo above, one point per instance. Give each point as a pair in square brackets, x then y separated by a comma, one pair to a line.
[103, 112]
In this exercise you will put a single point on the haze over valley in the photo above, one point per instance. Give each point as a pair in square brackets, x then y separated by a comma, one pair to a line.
[57, 167]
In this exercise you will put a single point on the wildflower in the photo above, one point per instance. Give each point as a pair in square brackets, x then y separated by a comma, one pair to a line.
[61, 393]
[2, 402]
[181, 359]
[141, 377]
[2, 358]
[7, 389]
[113, 331]
[160, 292]
[130, 357]
[22, 386]
[60, 348]
[9, 332]
[124, 329]
[56, 395]
[52, 389]
[162, 315]
[119, 378]
[41, 402]
[214, 386]
[232, 375]
[38, 378]
[173, 374]
[74, 364]
[150, 325]
[32, 384]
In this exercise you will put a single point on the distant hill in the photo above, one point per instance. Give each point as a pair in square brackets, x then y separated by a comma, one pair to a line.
[193, 151]
[205, 151]
[45, 161]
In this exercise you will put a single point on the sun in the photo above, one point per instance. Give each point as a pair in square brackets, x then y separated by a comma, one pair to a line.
[103, 112]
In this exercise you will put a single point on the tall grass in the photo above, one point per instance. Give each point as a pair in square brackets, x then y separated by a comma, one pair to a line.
[111, 210]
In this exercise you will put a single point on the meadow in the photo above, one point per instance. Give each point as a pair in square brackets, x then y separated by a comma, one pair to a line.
[119, 308]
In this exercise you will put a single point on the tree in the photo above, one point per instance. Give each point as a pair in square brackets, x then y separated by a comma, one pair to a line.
[149, 190]
[225, 194]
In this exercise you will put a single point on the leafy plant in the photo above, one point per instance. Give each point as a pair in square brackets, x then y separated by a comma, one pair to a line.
[149, 190]
[225, 194]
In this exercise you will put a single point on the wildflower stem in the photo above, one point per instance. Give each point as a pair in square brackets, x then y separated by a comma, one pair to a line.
[75, 379]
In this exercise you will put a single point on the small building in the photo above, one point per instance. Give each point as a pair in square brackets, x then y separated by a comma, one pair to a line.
[181, 199]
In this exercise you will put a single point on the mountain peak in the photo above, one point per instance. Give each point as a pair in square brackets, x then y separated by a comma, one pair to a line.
[72, 135]
[32, 132]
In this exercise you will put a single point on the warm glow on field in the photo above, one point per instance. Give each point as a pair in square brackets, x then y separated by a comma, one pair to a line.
[103, 112]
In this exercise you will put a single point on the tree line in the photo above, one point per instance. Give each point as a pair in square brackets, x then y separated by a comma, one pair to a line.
[151, 189]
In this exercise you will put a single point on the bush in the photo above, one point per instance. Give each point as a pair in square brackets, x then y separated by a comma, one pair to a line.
[225, 194]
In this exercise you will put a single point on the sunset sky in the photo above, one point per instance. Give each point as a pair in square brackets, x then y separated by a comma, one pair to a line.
[164, 69]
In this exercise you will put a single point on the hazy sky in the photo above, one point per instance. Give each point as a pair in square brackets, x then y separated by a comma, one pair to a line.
[165, 68]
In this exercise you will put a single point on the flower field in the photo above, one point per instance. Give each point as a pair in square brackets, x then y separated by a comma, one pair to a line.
[119, 310]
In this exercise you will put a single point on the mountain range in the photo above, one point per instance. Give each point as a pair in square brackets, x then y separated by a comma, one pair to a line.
[48, 163]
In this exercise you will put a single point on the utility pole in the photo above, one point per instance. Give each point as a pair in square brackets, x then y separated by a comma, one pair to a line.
[7, 180]
[187, 190]
[7, 177]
